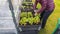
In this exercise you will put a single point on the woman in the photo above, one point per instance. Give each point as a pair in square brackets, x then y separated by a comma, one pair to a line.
[47, 7]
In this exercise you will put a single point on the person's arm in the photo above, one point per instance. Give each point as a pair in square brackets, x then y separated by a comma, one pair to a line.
[35, 4]
[43, 6]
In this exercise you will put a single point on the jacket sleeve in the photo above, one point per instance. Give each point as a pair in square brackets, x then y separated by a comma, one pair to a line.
[35, 4]
[43, 6]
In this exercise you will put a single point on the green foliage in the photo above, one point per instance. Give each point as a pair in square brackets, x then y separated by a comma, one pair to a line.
[23, 14]
[23, 21]
[30, 14]
[28, 17]
[30, 20]
[38, 6]
[36, 19]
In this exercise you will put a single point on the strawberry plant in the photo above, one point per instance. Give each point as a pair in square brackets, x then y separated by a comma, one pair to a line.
[23, 14]
[36, 19]
[30, 14]
[30, 20]
[23, 21]
[28, 17]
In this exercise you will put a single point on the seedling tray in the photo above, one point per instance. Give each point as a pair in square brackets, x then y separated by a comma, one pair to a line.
[28, 26]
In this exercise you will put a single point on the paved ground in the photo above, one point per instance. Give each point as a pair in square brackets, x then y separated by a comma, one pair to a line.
[6, 22]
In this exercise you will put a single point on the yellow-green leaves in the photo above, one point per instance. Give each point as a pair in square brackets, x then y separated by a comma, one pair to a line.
[28, 17]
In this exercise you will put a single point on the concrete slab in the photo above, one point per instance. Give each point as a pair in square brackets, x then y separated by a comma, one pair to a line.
[7, 25]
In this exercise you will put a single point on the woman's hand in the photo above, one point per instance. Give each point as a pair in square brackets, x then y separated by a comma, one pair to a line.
[36, 12]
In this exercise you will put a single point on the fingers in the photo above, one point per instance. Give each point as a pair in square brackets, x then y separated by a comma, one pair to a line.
[35, 13]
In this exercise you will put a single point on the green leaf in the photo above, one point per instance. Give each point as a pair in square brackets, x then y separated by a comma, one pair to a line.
[30, 20]
[30, 14]
[23, 14]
